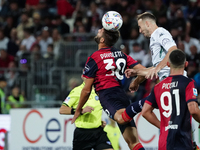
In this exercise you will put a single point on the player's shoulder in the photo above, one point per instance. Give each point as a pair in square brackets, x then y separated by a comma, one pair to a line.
[77, 88]
[179, 78]
[161, 32]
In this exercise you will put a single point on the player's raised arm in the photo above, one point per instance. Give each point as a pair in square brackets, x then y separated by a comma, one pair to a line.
[154, 71]
[137, 72]
[134, 85]
[85, 93]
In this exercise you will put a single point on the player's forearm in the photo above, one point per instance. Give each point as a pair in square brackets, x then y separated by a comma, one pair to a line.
[65, 110]
[194, 110]
[196, 117]
[151, 117]
[143, 72]
[83, 99]
[139, 79]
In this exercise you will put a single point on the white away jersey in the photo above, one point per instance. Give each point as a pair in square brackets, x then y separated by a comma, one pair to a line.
[160, 42]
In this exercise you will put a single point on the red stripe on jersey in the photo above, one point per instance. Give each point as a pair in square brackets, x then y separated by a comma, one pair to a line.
[159, 89]
[190, 91]
[148, 102]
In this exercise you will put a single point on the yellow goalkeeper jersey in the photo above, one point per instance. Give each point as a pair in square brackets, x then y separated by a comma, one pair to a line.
[87, 120]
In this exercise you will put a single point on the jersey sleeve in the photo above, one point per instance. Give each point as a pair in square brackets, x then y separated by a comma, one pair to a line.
[166, 40]
[90, 68]
[72, 98]
[191, 92]
[151, 99]
[131, 62]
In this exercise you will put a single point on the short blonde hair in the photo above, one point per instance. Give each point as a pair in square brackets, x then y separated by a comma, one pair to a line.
[146, 15]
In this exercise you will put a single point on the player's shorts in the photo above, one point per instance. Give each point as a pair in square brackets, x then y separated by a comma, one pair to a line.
[86, 139]
[113, 99]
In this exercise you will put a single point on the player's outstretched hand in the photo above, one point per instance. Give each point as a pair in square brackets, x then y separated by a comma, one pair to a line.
[87, 109]
[153, 72]
[77, 113]
[130, 73]
[103, 124]
[133, 86]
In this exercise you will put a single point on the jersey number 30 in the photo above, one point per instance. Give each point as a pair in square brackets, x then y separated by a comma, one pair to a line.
[119, 71]
[169, 106]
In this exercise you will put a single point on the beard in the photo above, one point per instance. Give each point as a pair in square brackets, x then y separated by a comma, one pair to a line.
[97, 39]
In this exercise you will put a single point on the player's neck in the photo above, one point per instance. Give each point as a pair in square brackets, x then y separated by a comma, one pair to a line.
[153, 28]
[102, 45]
[176, 72]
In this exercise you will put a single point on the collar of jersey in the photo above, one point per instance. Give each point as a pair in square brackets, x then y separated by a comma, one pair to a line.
[175, 75]
[105, 48]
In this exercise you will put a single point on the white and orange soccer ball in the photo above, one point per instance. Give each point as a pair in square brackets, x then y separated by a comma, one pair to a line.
[112, 21]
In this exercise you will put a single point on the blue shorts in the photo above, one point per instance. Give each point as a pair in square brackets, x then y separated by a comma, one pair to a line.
[113, 99]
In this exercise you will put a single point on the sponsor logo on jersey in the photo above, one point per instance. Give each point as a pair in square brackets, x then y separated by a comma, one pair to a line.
[97, 98]
[86, 69]
[153, 39]
[161, 34]
[140, 104]
[67, 99]
[165, 41]
[132, 108]
[195, 91]
[172, 126]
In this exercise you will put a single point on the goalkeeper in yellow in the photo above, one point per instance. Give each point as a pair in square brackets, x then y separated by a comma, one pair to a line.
[89, 131]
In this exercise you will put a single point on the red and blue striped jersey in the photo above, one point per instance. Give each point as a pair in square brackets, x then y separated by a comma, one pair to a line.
[171, 97]
[107, 66]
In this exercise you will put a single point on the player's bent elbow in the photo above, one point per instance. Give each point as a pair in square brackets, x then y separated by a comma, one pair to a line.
[143, 114]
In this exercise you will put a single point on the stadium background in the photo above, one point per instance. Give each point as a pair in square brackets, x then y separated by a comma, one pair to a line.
[45, 43]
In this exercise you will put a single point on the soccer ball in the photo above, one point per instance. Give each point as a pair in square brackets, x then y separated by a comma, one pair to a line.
[112, 21]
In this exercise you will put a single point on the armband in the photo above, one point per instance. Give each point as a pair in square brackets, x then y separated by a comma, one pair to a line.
[72, 111]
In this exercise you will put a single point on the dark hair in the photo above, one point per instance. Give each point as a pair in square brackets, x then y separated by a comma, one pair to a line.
[177, 58]
[146, 15]
[110, 37]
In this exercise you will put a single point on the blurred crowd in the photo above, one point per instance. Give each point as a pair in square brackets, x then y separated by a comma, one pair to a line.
[36, 28]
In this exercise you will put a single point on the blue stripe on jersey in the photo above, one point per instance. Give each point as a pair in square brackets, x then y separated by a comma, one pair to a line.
[90, 68]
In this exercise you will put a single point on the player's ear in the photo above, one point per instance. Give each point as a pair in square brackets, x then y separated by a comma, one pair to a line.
[102, 40]
[168, 64]
[146, 23]
[186, 64]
